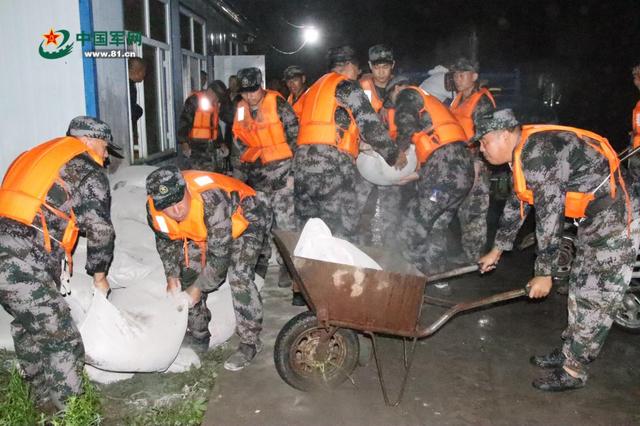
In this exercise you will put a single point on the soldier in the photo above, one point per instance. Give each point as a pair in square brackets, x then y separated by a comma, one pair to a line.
[574, 173]
[335, 113]
[49, 194]
[207, 225]
[296, 82]
[201, 141]
[267, 128]
[635, 116]
[445, 173]
[472, 101]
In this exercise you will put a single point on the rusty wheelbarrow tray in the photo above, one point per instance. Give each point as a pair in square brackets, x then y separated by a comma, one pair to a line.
[345, 297]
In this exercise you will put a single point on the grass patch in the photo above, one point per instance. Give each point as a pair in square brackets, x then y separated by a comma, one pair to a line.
[178, 399]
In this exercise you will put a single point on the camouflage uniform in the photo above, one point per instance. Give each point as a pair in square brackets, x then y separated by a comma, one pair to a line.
[236, 257]
[325, 178]
[211, 156]
[555, 162]
[47, 342]
[472, 213]
[445, 180]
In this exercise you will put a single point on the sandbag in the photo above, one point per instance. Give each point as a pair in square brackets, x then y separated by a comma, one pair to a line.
[375, 169]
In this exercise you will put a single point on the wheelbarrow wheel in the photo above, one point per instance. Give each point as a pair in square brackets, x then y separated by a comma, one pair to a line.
[304, 364]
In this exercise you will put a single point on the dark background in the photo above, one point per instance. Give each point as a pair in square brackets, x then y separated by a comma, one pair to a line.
[588, 47]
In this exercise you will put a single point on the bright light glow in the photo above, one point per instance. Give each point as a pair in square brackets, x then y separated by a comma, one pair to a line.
[311, 35]
[205, 104]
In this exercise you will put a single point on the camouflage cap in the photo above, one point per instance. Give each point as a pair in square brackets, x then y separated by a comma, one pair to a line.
[498, 120]
[465, 64]
[292, 71]
[380, 53]
[166, 187]
[91, 127]
[250, 79]
[341, 55]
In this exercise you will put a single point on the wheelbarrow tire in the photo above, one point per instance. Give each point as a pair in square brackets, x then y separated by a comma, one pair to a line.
[298, 339]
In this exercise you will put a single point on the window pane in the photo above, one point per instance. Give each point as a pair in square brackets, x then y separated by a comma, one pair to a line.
[158, 22]
[198, 34]
[185, 32]
[134, 15]
[151, 101]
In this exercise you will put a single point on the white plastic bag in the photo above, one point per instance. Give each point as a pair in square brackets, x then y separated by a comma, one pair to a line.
[373, 168]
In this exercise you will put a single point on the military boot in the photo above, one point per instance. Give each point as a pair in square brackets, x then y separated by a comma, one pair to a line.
[558, 380]
[242, 356]
[553, 360]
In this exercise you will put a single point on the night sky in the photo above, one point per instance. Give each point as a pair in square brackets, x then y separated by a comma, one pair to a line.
[587, 46]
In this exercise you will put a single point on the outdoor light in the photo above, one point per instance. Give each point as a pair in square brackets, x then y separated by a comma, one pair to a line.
[310, 35]
[205, 104]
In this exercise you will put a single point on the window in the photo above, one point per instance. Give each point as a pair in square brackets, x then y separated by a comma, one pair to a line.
[154, 130]
[193, 44]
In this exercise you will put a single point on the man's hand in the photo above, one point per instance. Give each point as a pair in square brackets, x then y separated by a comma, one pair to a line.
[489, 261]
[186, 150]
[195, 293]
[100, 282]
[401, 161]
[173, 285]
[540, 286]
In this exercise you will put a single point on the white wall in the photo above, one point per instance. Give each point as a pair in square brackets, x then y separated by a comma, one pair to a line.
[39, 96]
[225, 66]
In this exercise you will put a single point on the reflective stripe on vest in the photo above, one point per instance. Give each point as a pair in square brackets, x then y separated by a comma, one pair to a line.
[193, 227]
[636, 126]
[576, 203]
[297, 105]
[205, 121]
[463, 110]
[264, 137]
[444, 129]
[30, 177]
[369, 88]
[317, 122]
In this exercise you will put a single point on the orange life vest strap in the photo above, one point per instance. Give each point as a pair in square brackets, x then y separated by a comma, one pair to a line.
[369, 88]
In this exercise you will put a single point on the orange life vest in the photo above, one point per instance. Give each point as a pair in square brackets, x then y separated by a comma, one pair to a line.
[297, 105]
[25, 186]
[463, 110]
[265, 137]
[369, 88]
[444, 129]
[193, 228]
[635, 125]
[317, 122]
[389, 119]
[576, 203]
[205, 121]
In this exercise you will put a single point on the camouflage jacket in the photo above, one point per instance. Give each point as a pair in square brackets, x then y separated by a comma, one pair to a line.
[554, 163]
[372, 131]
[273, 175]
[90, 198]
[218, 208]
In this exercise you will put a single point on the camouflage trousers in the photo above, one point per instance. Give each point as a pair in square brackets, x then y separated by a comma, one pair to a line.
[600, 275]
[205, 156]
[326, 188]
[47, 343]
[445, 180]
[472, 213]
[247, 251]
[379, 213]
[281, 202]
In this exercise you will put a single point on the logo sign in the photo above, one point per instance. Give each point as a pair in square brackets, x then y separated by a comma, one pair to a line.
[60, 41]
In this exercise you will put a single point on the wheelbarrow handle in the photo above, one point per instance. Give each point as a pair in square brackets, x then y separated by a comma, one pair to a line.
[453, 273]
[466, 306]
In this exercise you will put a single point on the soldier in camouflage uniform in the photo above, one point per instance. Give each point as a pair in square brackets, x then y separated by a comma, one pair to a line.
[554, 162]
[47, 342]
[473, 211]
[210, 154]
[325, 177]
[225, 256]
[445, 179]
[273, 176]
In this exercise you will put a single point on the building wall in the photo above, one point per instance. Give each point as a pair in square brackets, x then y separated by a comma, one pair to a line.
[39, 96]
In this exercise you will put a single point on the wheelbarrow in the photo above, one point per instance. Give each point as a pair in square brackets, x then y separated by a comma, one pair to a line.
[320, 348]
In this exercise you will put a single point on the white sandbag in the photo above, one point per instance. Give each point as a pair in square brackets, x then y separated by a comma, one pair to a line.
[434, 84]
[316, 242]
[133, 338]
[375, 169]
